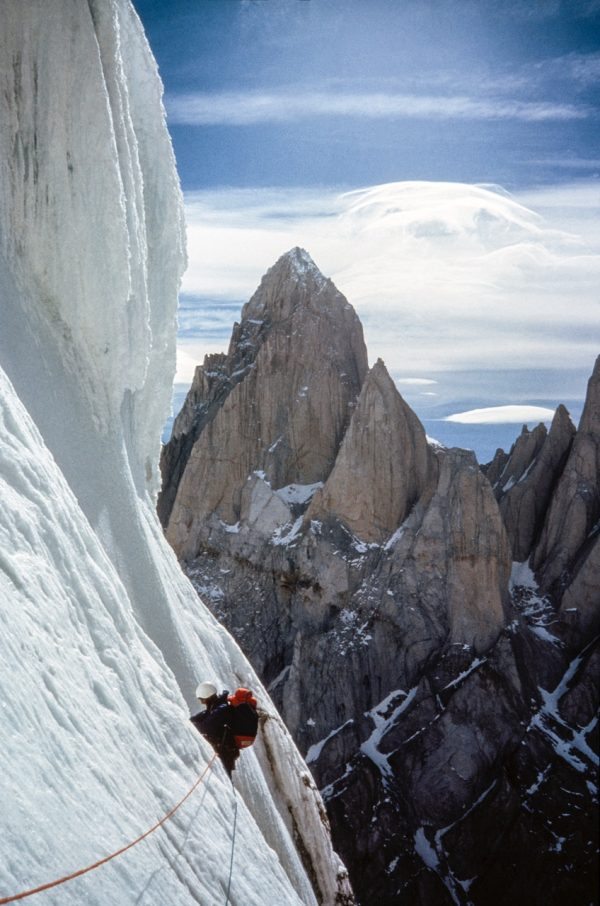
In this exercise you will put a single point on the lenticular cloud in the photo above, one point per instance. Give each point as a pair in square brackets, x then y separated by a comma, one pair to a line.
[502, 415]
[466, 276]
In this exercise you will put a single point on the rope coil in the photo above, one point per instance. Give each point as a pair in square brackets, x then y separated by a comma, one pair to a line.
[118, 852]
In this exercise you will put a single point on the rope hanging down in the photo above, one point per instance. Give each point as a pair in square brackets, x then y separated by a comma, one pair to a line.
[232, 843]
[83, 871]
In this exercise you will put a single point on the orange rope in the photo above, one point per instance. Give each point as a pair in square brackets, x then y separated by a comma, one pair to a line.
[83, 871]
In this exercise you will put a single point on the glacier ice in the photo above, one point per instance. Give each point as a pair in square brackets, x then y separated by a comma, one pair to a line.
[102, 638]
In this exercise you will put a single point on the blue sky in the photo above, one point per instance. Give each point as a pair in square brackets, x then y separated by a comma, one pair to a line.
[360, 129]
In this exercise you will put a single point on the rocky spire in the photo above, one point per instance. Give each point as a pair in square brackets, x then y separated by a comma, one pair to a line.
[522, 454]
[524, 487]
[383, 464]
[294, 369]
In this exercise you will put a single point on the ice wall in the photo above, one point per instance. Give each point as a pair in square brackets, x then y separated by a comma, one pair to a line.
[102, 639]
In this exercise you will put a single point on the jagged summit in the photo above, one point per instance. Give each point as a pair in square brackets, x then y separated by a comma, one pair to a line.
[299, 260]
[524, 478]
[294, 281]
[297, 263]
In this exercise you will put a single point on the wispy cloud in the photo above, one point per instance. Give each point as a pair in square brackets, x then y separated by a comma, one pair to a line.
[252, 108]
[566, 76]
[584, 68]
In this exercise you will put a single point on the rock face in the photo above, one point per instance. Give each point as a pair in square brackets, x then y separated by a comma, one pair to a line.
[209, 388]
[572, 523]
[524, 483]
[367, 575]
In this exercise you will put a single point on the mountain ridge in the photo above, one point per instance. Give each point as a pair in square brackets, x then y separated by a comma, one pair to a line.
[378, 600]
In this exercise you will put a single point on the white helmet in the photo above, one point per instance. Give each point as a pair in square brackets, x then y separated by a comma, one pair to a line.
[206, 690]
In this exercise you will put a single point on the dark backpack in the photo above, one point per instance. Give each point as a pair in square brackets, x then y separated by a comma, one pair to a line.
[243, 719]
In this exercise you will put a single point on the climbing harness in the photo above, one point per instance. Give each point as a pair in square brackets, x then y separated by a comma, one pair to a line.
[83, 871]
[232, 843]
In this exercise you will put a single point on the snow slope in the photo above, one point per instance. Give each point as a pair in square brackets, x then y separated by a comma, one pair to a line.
[102, 639]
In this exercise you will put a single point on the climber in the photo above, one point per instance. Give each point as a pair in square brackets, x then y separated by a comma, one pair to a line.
[229, 722]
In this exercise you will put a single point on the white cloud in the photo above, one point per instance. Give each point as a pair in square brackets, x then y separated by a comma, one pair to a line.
[186, 364]
[503, 415]
[234, 235]
[415, 381]
[253, 107]
[444, 276]
[574, 205]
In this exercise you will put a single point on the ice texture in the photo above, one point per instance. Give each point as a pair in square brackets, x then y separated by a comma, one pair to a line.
[102, 638]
